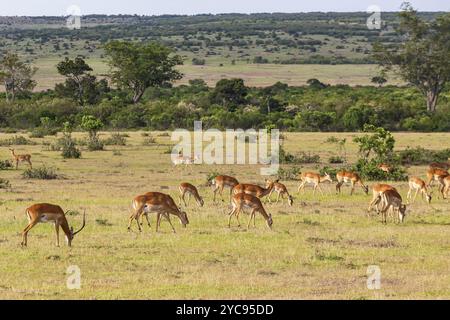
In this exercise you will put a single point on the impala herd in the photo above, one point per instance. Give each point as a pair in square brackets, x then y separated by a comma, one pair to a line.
[385, 198]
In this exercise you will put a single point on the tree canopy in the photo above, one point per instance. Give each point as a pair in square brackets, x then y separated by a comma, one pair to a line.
[16, 75]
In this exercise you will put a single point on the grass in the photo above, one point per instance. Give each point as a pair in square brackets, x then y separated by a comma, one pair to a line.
[319, 248]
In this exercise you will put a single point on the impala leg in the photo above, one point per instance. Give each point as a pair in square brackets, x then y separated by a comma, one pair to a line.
[231, 213]
[352, 189]
[320, 189]
[237, 217]
[251, 216]
[26, 230]
[137, 222]
[29, 162]
[269, 195]
[148, 221]
[17, 164]
[189, 198]
[338, 187]
[158, 221]
[278, 197]
[167, 216]
[182, 198]
[57, 233]
[415, 195]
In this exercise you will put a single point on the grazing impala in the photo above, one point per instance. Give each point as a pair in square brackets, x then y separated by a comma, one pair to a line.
[352, 178]
[45, 212]
[220, 182]
[281, 190]
[418, 185]
[21, 158]
[377, 190]
[160, 203]
[254, 189]
[190, 190]
[385, 167]
[392, 202]
[313, 178]
[434, 174]
[243, 200]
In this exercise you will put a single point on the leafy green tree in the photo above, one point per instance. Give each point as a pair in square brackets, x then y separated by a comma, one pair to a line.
[137, 67]
[91, 124]
[16, 76]
[229, 92]
[423, 59]
[380, 143]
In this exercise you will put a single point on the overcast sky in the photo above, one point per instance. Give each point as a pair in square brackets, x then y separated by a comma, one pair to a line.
[151, 7]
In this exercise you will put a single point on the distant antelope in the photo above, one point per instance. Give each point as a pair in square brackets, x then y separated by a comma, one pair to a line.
[385, 167]
[160, 203]
[242, 200]
[377, 190]
[46, 212]
[281, 190]
[313, 178]
[190, 190]
[392, 202]
[418, 184]
[21, 158]
[352, 178]
[254, 189]
[186, 160]
[434, 174]
[220, 182]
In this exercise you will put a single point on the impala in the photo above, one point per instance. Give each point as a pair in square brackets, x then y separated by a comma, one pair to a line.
[385, 167]
[46, 212]
[392, 201]
[313, 178]
[445, 186]
[190, 190]
[220, 182]
[21, 158]
[160, 203]
[254, 189]
[440, 165]
[418, 185]
[243, 200]
[435, 174]
[352, 178]
[281, 190]
[377, 190]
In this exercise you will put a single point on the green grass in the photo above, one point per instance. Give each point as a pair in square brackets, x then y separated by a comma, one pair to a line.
[319, 248]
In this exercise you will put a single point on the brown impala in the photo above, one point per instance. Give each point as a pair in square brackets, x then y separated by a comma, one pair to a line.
[445, 186]
[434, 174]
[190, 190]
[242, 200]
[392, 202]
[220, 182]
[313, 178]
[418, 185]
[160, 203]
[350, 177]
[45, 212]
[281, 190]
[21, 158]
[377, 190]
[254, 189]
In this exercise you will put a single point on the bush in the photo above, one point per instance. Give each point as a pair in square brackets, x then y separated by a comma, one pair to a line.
[42, 173]
[4, 184]
[148, 141]
[336, 159]
[94, 144]
[300, 158]
[422, 156]
[5, 164]
[369, 171]
[116, 139]
[289, 173]
[16, 141]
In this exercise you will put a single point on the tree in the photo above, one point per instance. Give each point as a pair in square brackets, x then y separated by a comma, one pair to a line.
[79, 85]
[379, 80]
[91, 124]
[381, 142]
[423, 59]
[137, 67]
[16, 75]
[314, 83]
[229, 92]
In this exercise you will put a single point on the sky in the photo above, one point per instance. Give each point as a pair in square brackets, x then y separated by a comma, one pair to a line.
[152, 7]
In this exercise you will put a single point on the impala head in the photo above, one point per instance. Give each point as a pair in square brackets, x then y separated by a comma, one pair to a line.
[72, 234]
[183, 218]
[327, 177]
[402, 213]
[269, 221]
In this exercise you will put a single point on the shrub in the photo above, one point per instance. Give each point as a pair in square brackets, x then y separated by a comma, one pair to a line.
[4, 184]
[289, 173]
[68, 145]
[336, 159]
[42, 173]
[17, 141]
[5, 164]
[369, 171]
[422, 156]
[149, 141]
[94, 144]
[300, 158]
[116, 139]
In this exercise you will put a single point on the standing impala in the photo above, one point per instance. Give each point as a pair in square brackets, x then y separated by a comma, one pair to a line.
[445, 186]
[160, 203]
[21, 158]
[377, 190]
[242, 200]
[392, 202]
[220, 182]
[45, 212]
[281, 190]
[313, 178]
[434, 174]
[350, 177]
[418, 185]
[254, 189]
[385, 167]
[190, 190]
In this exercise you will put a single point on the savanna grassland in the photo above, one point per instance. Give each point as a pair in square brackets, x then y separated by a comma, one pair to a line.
[318, 248]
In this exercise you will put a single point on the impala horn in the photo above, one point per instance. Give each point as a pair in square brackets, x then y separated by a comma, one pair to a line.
[84, 223]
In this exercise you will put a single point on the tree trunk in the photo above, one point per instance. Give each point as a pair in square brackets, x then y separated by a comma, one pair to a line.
[432, 98]
[137, 96]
